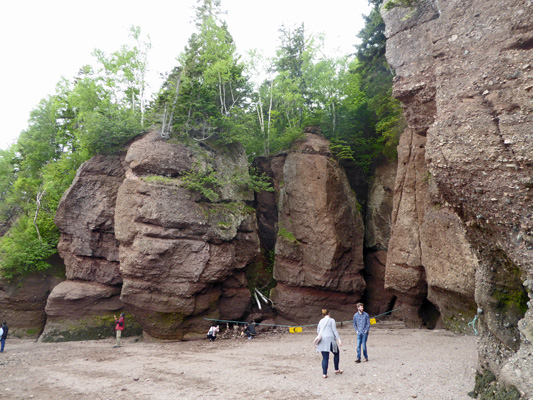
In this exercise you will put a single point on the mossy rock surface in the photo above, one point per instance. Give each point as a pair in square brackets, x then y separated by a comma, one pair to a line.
[488, 388]
[88, 328]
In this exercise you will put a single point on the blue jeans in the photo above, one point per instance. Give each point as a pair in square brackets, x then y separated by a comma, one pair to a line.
[3, 344]
[361, 342]
[325, 360]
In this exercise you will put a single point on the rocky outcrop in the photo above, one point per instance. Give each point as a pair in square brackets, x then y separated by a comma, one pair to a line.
[85, 218]
[319, 246]
[82, 307]
[134, 237]
[23, 301]
[430, 264]
[464, 76]
[79, 310]
[181, 255]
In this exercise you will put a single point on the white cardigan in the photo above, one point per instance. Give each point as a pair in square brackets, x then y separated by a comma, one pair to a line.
[328, 329]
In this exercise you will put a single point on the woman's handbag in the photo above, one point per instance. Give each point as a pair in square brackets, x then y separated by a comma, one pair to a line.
[317, 340]
[319, 336]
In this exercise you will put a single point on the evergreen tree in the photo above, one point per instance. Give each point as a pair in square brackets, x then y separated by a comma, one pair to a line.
[203, 96]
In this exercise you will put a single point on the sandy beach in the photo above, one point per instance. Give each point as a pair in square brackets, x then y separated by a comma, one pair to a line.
[404, 364]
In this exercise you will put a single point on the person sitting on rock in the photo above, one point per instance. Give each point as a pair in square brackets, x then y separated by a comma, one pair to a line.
[212, 333]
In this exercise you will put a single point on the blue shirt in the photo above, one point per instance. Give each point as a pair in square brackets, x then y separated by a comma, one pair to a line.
[361, 322]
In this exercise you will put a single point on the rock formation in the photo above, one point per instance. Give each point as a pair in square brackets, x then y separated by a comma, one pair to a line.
[182, 256]
[319, 246]
[133, 237]
[23, 301]
[83, 306]
[464, 76]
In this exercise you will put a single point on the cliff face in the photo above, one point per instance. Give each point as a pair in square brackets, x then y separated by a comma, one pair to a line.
[134, 238]
[465, 78]
[181, 257]
[319, 246]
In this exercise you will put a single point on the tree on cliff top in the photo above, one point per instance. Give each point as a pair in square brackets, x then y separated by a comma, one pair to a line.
[203, 96]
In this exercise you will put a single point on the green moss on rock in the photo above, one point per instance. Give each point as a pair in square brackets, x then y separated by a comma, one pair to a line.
[88, 328]
[488, 388]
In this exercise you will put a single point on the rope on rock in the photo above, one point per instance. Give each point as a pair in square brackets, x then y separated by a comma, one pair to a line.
[473, 323]
[292, 326]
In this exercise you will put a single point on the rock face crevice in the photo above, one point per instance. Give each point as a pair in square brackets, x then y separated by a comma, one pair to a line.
[465, 83]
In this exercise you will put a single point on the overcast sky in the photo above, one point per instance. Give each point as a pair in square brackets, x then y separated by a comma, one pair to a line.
[43, 40]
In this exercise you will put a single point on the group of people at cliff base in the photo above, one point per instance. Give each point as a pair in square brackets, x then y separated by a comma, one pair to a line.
[328, 339]
[247, 330]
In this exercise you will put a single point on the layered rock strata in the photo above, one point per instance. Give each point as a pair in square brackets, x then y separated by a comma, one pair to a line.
[134, 237]
[23, 302]
[83, 306]
[464, 76]
[182, 256]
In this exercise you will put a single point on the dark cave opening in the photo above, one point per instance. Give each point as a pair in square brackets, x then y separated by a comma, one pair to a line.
[429, 314]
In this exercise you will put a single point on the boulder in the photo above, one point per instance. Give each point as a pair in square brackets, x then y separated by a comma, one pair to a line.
[80, 310]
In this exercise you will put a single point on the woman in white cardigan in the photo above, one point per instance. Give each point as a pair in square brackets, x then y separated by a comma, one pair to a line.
[330, 342]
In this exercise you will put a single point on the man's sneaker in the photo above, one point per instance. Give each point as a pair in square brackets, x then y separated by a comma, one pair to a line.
[358, 361]
[366, 359]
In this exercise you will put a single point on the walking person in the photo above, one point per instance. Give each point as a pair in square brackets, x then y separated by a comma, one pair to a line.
[119, 327]
[328, 340]
[3, 338]
[361, 324]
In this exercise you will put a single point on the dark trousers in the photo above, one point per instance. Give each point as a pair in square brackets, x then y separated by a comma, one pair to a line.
[325, 360]
[211, 337]
[3, 344]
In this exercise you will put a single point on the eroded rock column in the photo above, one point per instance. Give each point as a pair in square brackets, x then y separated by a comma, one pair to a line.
[319, 247]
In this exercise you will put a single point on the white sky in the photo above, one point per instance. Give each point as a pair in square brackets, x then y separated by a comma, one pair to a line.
[43, 40]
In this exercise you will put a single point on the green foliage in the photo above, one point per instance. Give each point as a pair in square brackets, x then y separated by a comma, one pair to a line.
[350, 100]
[204, 95]
[98, 112]
[260, 182]
[205, 182]
[389, 5]
[288, 236]
[341, 150]
[21, 251]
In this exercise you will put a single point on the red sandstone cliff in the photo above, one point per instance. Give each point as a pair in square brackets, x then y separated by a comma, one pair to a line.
[464, 76]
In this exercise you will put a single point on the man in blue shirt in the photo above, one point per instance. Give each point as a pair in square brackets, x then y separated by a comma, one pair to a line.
[361, 324]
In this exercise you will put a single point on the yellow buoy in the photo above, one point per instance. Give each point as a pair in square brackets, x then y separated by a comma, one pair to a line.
[295, 329]
[372, 321]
